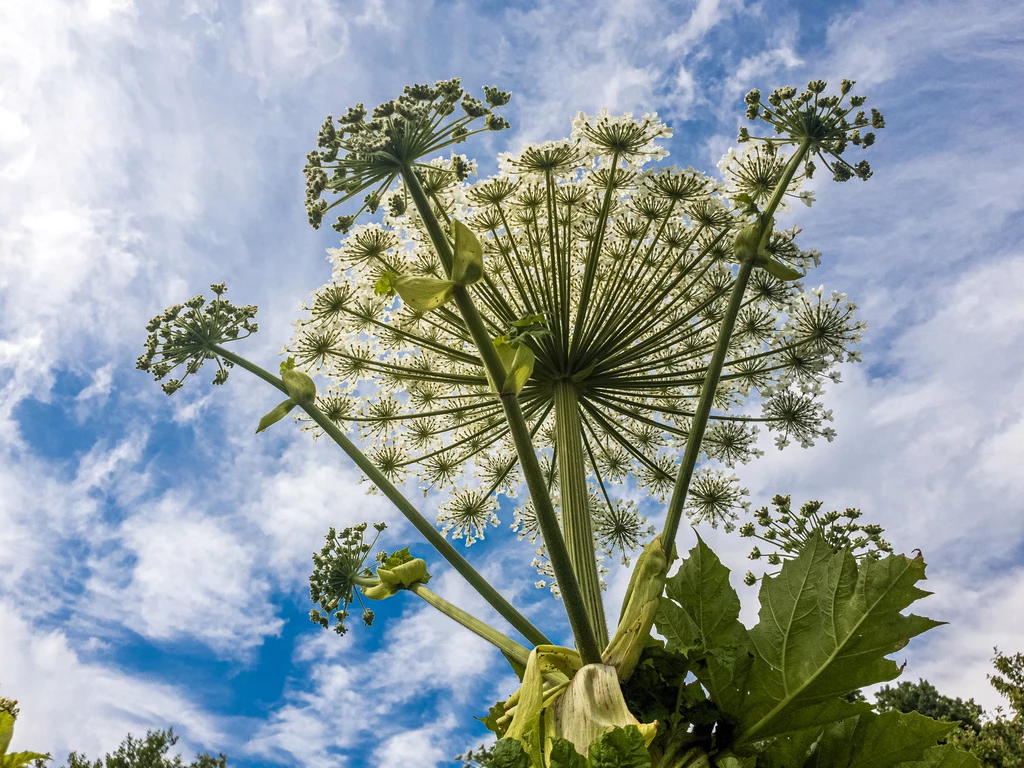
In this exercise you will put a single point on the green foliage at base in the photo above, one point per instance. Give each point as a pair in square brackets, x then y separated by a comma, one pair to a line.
[778, 695]
[782, 694]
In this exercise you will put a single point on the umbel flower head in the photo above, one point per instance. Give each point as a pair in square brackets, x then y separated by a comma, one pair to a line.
[828, 123]
[359, 152]
[786, 532]
[183, 335]
[615, 278]
[338, 572]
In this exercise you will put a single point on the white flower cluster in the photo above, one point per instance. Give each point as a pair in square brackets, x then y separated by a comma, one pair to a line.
[622, 275]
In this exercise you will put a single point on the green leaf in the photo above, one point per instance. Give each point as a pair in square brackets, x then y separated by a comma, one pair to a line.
[300, 386]
[526, 722]
[619, 748]
[276, 415]
[6, 731]
[877, 741]
[749, 207]
[732, 761]
[652, 692]
[398, 557]
[494, 714]
[423, 293]
[385, 285]
[825, 628]
[468, 264]
[509, 753]
[528, 321]
[639, 609]
[518, 668]
[562, 754]
[701, 618]
[777, 269]
[19, 759]
[945, 756]
[789, 751]
[517, 359]
[675, 625]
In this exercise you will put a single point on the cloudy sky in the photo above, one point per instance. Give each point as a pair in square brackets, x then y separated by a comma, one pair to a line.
[154, 553]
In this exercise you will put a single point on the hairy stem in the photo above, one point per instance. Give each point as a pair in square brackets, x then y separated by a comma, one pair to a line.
[504, 608]
[572, 597]
[714, 371]
[576, 522]
[506, 645]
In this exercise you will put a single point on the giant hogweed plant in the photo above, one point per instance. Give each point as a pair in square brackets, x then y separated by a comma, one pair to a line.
[576, 324]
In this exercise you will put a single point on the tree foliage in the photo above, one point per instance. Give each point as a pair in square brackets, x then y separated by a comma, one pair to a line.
[150, 752]
[924, 698]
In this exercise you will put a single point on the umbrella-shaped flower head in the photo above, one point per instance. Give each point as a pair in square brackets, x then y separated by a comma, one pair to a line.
[604, 282]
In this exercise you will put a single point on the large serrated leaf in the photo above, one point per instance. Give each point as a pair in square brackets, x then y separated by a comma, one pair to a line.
[563, 755]
[700, 617]
[944, 756]
[877, 741]
[509, 753]
[619, 748]
[825, 629]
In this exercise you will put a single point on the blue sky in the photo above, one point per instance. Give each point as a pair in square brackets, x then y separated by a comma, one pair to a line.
[154, 553]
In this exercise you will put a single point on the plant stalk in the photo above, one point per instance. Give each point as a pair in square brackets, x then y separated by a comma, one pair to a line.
[572, 597]
[576, 520]
[506, 645]
[505, 609]
[714, 371]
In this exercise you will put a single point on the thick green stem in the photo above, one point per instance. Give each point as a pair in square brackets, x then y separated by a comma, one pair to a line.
[575, 609]
[419, 522]
[506, 645]
[693, 757]
[576, 522]
[714, 371]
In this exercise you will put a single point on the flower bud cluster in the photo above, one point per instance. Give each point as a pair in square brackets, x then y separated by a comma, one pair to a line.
[828, 123]
[360, 150]
[10, 706]
[184, 335]
[786, 532]
[338, 571]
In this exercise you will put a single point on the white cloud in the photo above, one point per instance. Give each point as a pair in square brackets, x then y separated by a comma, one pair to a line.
[285, 40]
[706, 14]
[100, 387]
[423, 656]
[68, 703]
[420, 746]
[192, 576]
